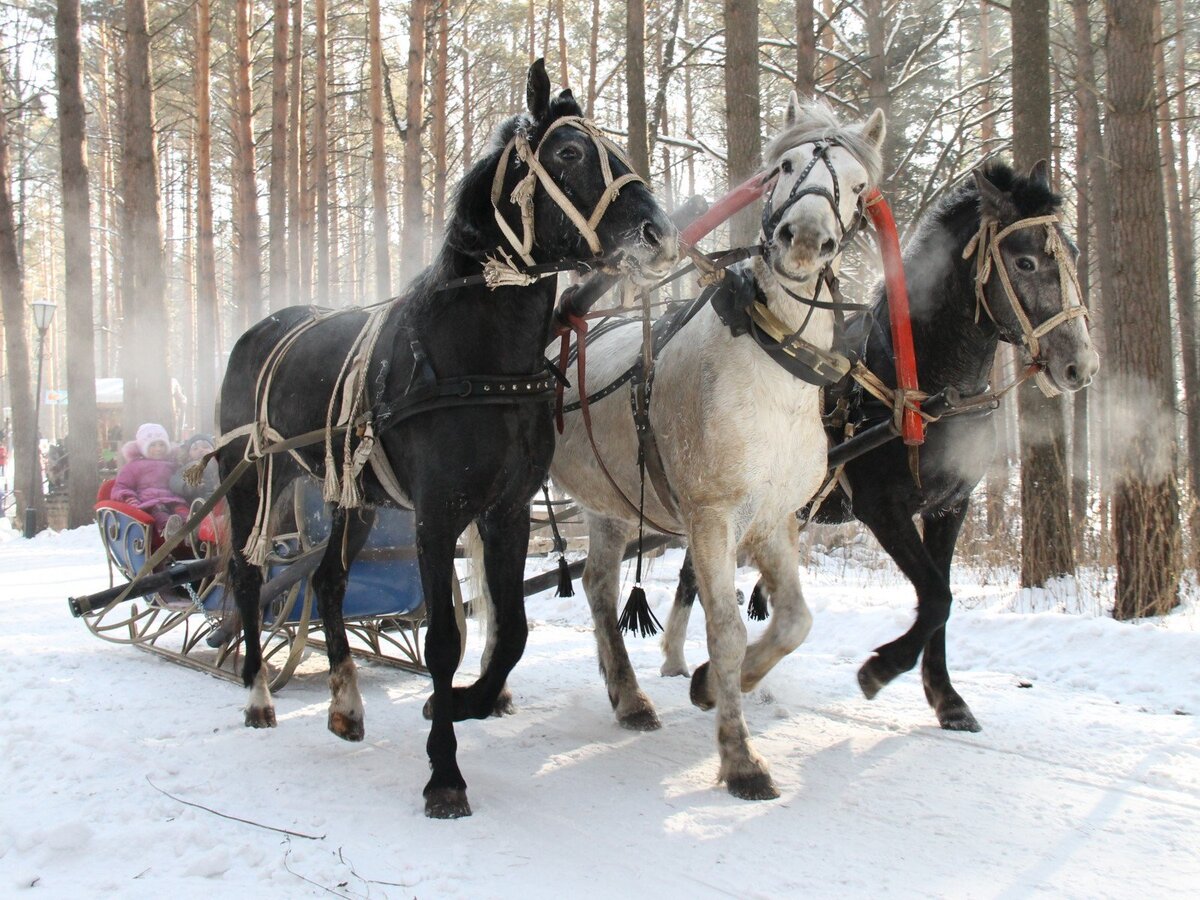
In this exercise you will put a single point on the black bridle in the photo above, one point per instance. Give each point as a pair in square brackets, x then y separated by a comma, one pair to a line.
[771, 217]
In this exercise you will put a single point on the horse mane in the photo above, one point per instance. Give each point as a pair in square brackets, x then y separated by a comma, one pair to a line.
[1029, 197]
[816, 122]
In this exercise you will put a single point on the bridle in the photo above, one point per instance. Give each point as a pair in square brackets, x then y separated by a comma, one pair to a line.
[501, 269]
[771, 217]
[985, 246]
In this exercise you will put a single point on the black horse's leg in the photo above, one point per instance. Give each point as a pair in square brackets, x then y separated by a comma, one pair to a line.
[446, 792]
[245, 582]
[686, 593]
[505, 542]
[892, 526]
[941, 534]
[347, 535]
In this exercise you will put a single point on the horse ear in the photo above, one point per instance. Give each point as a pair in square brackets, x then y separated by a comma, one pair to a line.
[537, 90]
[875, 129]
[1040, 173]
[792, 116]
[991, 197]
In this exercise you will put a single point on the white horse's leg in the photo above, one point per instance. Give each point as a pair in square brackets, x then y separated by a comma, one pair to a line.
[601, 582]
[676, 630]
[779, 562]
[504, 702]
[717, 682]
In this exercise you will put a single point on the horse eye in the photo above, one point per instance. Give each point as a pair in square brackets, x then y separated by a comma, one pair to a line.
[786, 167]
[859, 188]
[570, 152]
[1026, 264]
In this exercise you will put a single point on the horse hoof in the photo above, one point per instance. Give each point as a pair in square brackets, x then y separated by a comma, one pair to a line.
[504, 706]
[345, 727]
[958, 719]
[260, 717]
[757, 786]
[871, 677]
[671, 669]
[641, 720]
[447, 803]
[699, 689]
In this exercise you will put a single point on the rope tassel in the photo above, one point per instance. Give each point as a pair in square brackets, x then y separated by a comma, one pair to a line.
[637, 616]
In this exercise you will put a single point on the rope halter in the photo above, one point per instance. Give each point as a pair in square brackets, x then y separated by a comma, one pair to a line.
[985, 247]
[501, 269]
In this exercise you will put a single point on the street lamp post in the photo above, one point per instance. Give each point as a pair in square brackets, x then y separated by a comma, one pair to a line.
[43, 315]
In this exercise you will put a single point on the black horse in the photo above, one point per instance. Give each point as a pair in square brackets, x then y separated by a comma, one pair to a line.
[960, 310]
[455, 396]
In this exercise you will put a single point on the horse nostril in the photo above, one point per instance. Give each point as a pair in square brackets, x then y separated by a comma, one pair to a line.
[1072, 374]
[785, 233]
[651, 235]
[829, 247]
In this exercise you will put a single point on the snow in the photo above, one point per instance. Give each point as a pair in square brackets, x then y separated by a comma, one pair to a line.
[1084, 783]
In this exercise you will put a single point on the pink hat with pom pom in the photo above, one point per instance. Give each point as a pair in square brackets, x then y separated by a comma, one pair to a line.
[148, 433]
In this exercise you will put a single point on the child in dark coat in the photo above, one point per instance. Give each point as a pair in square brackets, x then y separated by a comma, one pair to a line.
[144, 480]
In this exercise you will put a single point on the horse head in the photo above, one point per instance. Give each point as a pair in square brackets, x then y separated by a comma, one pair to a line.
[556, 189]
[822, 169]
[1025, 274]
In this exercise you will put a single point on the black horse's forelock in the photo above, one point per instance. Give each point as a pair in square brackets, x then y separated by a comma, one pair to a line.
[470, 226]
[1029, 197]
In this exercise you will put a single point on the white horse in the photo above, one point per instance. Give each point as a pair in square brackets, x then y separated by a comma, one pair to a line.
[741, 441]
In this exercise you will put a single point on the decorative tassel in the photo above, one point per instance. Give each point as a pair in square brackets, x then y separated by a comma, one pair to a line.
[638, 616]
[757, 610]
[194, 473]
[504, 273]
[258, 546]
[565, 588]
[523, 193]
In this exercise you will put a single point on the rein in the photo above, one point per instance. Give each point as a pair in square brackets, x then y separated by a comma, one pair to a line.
[985, 247]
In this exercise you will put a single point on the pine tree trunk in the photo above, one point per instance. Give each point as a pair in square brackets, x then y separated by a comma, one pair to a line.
[665, 50]
[383, 262]
[82, 425]
[743, 134]
[248, 261]
[147, 384]
[277, 260]
[295, 125]
[878, 88]
[1179, 220]
[413, 242]
[635, 85]
[321, 153]
[564, 76]
[593, 58]
[468, 120]
[104, 242]
[1146, 501]
[17, 326]
[806, 49]
[437, 115]
[1045, 502]
[207, 312]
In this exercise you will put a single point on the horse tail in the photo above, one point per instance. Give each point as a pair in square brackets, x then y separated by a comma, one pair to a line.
[478, 601]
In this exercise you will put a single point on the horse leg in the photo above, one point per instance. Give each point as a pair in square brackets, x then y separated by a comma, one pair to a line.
[244, 581]
[446, 792]
[941, 534]
[718, 681]
[895, 531]
[347, 534]
[505, 543]
[681, 610]
[601, 583]
[778, 559]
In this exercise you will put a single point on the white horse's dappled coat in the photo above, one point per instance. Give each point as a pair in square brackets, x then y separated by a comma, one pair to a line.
[741, 442]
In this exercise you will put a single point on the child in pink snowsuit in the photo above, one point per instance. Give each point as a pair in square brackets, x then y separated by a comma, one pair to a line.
[144, 480]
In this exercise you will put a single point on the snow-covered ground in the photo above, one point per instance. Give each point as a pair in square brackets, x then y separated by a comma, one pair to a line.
[1085, 781]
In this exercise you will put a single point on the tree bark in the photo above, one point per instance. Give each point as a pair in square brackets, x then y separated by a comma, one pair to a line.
[248, 260]
[593, 57]
[1046, 550]
[743, 135]
[147, 383]
[207, 313]
[635, 85]
[564, 76]
[383, 261]
[1146, 502]
[277, 262]
[321, 152]
[1179, 220]
[82, 439]
[438, 110]
[413, 241]
[295, 125]
[878, 88]
[27, 460]
[806, 49]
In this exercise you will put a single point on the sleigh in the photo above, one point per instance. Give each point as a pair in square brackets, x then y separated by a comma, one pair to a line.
[180, 610]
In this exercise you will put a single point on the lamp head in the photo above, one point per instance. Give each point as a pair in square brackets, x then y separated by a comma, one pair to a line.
[43, 314]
